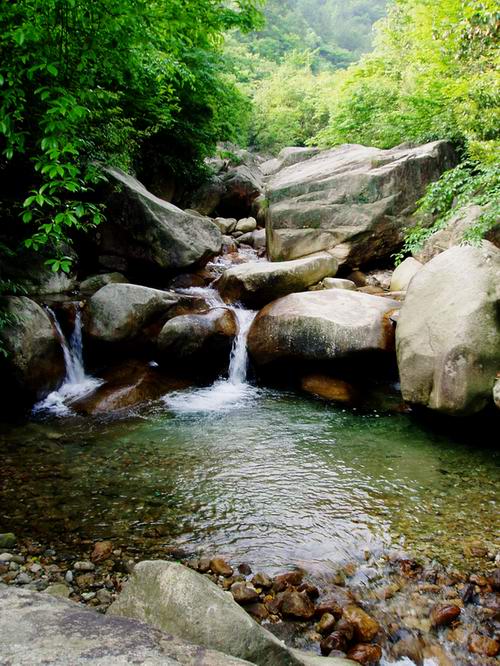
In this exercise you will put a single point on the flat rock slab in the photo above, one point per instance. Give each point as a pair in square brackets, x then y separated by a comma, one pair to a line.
[322, 326]
[258, 283]
[36, 628]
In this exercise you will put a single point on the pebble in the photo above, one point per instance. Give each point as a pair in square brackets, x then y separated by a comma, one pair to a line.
[297, 604]
[483, 645]
[87, 596]
[335, 641]
[262, 580]
[327, 624]
[444, 614]
[7, 540]
[104, 596]
[58, 590]
[84, 566]
[13, 566]
[35, 568]
[68, 576]
[282, 581]
[245, 569]
[102, 551]
[23, 578]
[5, 557]
[365, 627]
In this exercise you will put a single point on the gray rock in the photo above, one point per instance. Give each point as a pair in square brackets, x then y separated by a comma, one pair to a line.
[258, 283]
[119, 312]
[5, 557]
[37, 629]
[358, 198]
[23, 578]
[84, 566]
[59, 590]
[322, 326]
[95, 282]
[448, 334]
[246, 225]
[453, 232]
[151, 233]
[35, 363]
[226, 225]
[256, 239]
[338, 283]
[403, 274]
[178, 600]
[198, 338]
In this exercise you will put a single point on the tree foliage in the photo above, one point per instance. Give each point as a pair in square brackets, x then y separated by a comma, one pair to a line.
[138, 83]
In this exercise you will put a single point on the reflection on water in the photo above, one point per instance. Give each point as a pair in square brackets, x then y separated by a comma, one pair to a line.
[275, 480]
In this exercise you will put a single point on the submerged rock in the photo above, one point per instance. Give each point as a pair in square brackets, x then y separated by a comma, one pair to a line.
[258, 283]
[34, 365]
[354, 198]
[38, 629]
[448, 334]
[329, 388]
[322, 326]
[150, 233]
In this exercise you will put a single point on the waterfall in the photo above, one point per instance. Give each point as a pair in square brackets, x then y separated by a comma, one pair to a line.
[227, 393]
[76, 382]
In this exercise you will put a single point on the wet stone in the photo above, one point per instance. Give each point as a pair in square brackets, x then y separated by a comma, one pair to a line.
[328, 606]
[102, 551]
[346, 627]
[262, 580]
[257, 610]
[244, 593]
[85, 581]
[444, 614]
[365, 654]
[365, 627]
[297, 604]
[221, 567]
[293, 578]
[245, 569]
[7, 540]
[327, 624]
[335, 641]
[204, 565]
[483, 645]
[310, 589]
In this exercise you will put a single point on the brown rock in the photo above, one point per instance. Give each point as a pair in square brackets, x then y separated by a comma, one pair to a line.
[329, 388]
[204, 565]
[365, 654]
[310, 589]
[483, 645]
[262, 580]
[346, 628]
[371, 289]
[494, 579]
[282, 581]
[85, 581]
[411, 647]
[102, 551]
[475, 549]
[327, 624]
[273, 604]
[244, 593]
[245, 569]
[221, 567]
[297, 604]
[357, 277]
[328, 606]
[335, 641]
[365, 627]
[257, 610]
[444, 614]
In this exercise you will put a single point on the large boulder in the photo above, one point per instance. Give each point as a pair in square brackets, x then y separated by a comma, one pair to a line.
[198, 340]
[176, 599]
[34, 364]
[230, 193]
[258, 283]
[38, 629]
[404, 273]
[355, 198]
[453, 232]
[151, 234]
[120, 312]
[448, 334]
[327, 325]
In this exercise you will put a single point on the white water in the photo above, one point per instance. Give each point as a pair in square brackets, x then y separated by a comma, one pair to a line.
[227, 393]
[76, 383]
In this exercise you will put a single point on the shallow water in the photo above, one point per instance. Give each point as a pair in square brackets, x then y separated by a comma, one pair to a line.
[269, 478]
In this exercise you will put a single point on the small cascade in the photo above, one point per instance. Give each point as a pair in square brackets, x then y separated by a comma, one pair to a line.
[76, 383]
[224, 393]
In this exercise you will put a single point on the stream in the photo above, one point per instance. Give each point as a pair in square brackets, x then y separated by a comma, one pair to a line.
[271, 478]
